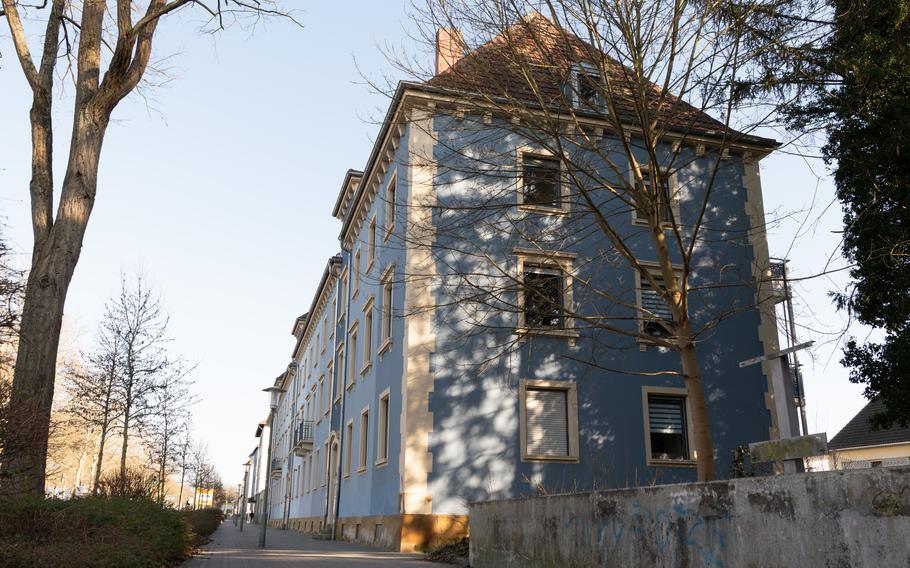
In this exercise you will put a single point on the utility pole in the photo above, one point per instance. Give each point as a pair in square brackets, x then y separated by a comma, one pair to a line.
[246, 472]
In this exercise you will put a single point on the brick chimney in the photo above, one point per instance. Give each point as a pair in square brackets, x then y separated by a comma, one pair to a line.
[449, 48]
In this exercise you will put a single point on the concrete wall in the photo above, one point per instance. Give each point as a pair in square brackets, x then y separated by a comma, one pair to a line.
[832, 519]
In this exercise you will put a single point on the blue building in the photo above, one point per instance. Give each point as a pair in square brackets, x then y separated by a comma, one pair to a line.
[479, 336]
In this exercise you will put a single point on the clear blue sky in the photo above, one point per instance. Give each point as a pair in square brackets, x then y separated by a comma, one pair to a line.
[219, 187]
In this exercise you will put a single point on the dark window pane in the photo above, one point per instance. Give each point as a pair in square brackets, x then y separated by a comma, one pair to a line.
[540, 178]
[663, 195]
[543, 298]
[657, 316]
[667, 427]
[589, 90]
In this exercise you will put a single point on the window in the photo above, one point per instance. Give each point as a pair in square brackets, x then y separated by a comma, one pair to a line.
[348, 443]
[302, 480]
[364, 439]
[588, 87]
[371, 242]
[367, 336]
[310, 478]
[322, 405]
[390, 207]
[334, 316]
[667, 425]
[352, 363]
[540, 184]
[382, 430]
[656, 319]
[543, 296]
[662, 198]
[318, 477]
[549, 420]
[356, 283]
[385, 331]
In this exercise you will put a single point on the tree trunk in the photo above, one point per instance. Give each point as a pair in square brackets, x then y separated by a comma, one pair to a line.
[100, 459]
[54, 256]
[701, 424]
[124, 445]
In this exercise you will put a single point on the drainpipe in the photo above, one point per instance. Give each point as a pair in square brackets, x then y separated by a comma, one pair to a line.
[344, 396]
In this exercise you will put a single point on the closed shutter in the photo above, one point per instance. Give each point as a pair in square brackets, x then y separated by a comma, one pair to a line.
[547, 422]
[652, 301]
[665, 415]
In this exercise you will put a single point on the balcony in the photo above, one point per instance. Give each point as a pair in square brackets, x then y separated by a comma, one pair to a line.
[780, 291]
[303, 437]
[275, 470]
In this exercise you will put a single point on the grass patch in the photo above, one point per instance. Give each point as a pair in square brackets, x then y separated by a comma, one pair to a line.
[92, 532]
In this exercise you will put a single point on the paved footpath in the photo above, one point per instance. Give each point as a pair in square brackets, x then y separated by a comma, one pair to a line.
[231, 548]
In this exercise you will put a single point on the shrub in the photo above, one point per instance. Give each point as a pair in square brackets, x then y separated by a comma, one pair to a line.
[203, 522]
[97, 532]
[136, 483]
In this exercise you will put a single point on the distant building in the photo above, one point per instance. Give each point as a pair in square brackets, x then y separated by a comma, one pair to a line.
[858, 446]
[389, 424]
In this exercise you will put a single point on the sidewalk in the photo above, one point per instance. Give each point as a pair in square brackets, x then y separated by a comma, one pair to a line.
[231, 548]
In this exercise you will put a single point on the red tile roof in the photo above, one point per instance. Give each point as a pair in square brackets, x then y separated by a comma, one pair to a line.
[530, 61]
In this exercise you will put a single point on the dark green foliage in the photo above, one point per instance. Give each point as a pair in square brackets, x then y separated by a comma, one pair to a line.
[869, 141]
[203, 522]
[843, 67]
[91, 532]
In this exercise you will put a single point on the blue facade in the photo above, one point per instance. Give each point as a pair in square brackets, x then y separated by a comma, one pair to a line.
[454, 417]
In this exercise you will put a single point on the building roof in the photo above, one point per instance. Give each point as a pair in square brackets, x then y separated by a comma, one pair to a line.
[536, 51]
[858, 432]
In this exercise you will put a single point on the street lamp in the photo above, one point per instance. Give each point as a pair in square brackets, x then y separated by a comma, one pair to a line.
[274, 393]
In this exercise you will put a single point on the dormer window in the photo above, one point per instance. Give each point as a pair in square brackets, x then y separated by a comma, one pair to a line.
[588, 87]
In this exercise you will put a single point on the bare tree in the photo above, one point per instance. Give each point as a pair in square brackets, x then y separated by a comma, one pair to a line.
[12, 286]
[93, 397]
[626, 112]
[170, 421]
[107, 45]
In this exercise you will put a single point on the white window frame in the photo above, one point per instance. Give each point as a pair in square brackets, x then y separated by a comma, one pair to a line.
[386, 310]
[672, 188]
[371, 244]
[577, 71]
[351, 378]
[367, 339]
[383, 436]
[343, 304]
[520, 186]
[391, 192]
[558, 260]
[674, 392]
[348, 449]
[571, 391]
[363, 447]
[639, 307]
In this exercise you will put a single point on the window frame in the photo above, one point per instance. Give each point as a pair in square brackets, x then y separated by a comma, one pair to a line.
[367, 339]
[351, 371]
[371, 244]
[672, 188]
[540, 153]
[667, 392]
[578, 71]
[382, 427]
[340, 355]
[390, 205]
[386, 310]
[639, 306]
[556, 260]
[571, 390]
[363, 446]
[348, 456]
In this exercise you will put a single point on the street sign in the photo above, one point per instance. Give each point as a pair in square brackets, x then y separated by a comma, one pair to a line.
[775, 355]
